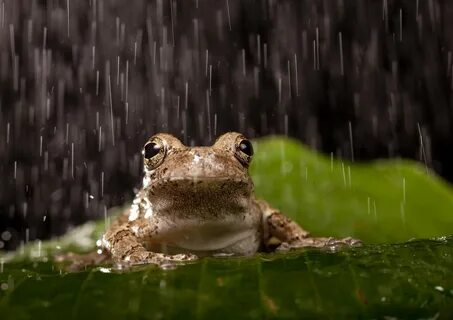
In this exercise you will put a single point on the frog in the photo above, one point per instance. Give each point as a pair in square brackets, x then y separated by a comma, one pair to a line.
[198, 201]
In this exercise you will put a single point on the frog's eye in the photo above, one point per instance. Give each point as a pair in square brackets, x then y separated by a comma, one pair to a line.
[244, 151]
[246, 147]
[151, 149]
[154, 153]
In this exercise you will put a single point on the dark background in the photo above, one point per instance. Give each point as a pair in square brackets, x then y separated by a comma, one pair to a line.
[82, 89]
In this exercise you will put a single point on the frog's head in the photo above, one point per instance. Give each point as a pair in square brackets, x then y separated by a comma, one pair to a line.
[214, 176]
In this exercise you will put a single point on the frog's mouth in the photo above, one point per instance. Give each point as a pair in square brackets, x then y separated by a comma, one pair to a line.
[195, 184]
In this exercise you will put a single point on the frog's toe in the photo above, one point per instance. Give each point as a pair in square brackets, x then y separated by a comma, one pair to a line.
[329, 242]
[334, 242]
[351, 241]
[141, 257]
[183, 257]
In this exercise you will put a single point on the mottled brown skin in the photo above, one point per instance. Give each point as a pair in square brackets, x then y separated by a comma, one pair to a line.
[198, 201]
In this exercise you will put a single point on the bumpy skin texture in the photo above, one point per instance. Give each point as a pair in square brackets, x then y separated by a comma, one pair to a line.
[198, 201]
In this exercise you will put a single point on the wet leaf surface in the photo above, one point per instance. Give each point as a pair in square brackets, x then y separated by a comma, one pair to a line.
[401, 280]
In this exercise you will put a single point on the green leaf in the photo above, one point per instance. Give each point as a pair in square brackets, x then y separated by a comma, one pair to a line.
[407, 280]
[328, 197]
[385, 201]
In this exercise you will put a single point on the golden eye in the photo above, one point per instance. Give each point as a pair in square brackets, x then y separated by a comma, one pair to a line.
[244, 151]
[154, 152]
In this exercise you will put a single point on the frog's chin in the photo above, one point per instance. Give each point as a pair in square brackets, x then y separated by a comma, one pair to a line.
[211, 240]
[228, 234]
[201, 206]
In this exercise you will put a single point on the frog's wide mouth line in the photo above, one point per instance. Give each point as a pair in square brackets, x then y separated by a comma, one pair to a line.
[201, 180]
[205, 178]
[192, 184]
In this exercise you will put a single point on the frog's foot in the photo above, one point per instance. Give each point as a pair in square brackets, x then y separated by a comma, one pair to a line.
[328, 242]
[182, 257]
[79, 262]
[159, 259]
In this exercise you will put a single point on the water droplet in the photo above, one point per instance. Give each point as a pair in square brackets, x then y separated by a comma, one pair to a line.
[439, 288]
[105, 270]
[6, 235]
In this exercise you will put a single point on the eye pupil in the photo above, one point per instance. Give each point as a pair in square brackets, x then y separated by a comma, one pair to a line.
[152, 149]
[246, 147]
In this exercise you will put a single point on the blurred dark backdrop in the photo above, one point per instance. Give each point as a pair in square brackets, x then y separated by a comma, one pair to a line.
[84, 83]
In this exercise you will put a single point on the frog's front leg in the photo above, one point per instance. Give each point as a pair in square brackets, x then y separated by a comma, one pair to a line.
[282, 233]
[126, 244]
